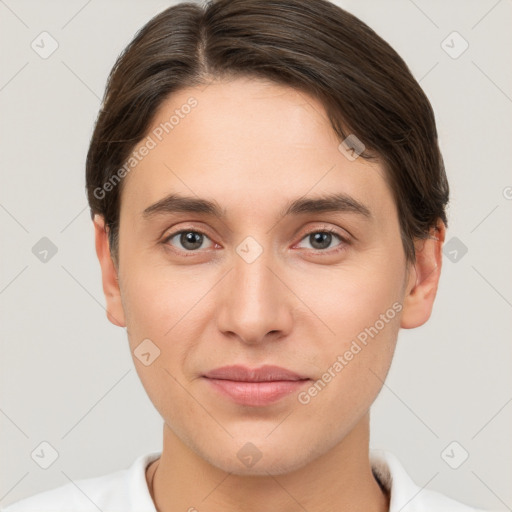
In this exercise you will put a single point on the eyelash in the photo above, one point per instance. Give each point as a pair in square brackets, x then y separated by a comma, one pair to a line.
[331, 231]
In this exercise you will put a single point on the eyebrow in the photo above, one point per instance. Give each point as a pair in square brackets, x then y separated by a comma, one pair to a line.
[336, 203]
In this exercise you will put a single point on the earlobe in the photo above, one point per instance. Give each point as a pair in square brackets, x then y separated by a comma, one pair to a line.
[423, 279]
[111, 290]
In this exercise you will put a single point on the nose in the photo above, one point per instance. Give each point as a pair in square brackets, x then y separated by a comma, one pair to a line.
[255, 305]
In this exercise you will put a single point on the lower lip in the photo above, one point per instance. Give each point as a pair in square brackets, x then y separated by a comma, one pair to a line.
[257, 393]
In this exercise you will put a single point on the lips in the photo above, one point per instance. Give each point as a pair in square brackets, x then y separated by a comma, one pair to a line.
[255, 387]
[265, 373]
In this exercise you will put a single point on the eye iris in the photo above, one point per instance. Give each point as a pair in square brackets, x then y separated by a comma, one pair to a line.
[320, 238]
[190, 237]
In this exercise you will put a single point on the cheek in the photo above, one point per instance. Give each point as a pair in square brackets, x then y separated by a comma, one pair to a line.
[167, 306]
[158, 299]
[349, 298]
[159, 307]
[354, 368]
[361, 306]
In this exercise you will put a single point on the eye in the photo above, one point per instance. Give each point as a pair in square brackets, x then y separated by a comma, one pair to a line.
[321, 240]
[190, 240]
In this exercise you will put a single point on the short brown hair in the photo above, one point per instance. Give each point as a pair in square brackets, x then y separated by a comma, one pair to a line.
[313, 46]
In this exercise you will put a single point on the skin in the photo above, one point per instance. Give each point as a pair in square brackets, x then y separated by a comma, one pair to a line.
[253, 146]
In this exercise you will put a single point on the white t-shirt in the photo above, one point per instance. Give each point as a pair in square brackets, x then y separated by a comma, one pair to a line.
[127, 491]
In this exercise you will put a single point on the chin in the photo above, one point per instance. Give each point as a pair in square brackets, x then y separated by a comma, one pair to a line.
[261, 458]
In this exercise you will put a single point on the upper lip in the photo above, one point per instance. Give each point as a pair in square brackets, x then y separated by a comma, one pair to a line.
[266, 373]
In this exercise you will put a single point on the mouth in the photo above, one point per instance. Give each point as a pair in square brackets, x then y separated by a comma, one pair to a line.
[255, 387]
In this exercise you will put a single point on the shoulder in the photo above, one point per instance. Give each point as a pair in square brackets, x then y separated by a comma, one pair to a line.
[122, 490]
[405, 494]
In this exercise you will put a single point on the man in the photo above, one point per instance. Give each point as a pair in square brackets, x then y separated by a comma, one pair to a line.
[268, 198]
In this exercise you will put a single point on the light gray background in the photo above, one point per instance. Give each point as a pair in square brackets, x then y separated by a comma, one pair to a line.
[66, 373]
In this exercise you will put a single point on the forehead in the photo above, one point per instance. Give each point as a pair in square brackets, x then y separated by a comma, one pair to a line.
[242, 141]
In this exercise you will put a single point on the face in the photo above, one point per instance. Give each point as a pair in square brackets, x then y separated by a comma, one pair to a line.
[295, 261]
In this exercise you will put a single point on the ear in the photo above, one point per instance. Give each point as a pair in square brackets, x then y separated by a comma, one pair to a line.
[115, 311]
[423, 278]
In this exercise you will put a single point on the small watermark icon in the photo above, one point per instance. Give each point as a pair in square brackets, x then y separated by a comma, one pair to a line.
[249, 249]
[44, 250]
[44, 455]
[454, 45]
[455, 249]
[44, 45]
[249, 454]
[146, 352]
[455, 455]
[351, 147]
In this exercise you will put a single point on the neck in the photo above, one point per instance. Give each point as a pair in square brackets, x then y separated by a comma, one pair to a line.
[340, 479]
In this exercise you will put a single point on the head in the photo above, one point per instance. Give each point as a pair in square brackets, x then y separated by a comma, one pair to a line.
[266, 187]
